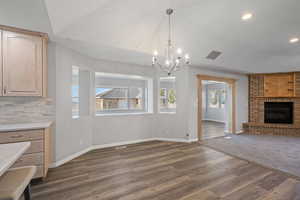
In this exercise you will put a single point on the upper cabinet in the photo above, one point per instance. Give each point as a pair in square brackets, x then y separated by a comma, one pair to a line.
[279, 85]
[24, 61]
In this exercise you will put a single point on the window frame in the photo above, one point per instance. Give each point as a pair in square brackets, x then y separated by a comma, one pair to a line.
[167, 110]
[147, 102]
[219, 93]
[75, 115]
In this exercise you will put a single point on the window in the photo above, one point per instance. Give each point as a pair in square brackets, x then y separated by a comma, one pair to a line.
[223, 98]
[117, 93]
[217, 98]
[167, 95]
[75, 92]
[80, 92]
[213, 98]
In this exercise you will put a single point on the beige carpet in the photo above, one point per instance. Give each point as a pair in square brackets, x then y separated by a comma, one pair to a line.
[278, 152]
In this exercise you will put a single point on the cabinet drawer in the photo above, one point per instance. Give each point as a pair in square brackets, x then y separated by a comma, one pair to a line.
[36, 147]
[30, 159]
[20, 136]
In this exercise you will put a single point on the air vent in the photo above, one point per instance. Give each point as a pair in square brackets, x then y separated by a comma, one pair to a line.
[214, 55]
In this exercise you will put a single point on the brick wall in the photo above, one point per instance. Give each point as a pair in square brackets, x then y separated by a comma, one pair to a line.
[256, 109]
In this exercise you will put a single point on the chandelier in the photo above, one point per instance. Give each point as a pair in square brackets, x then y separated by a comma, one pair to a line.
[173, 60]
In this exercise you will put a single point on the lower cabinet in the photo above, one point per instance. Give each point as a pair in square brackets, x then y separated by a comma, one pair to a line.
[38, 153]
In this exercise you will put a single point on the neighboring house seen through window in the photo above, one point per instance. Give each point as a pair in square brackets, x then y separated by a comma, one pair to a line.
[121, 94]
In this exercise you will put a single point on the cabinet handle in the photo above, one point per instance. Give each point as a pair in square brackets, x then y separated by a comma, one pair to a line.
[4, 90]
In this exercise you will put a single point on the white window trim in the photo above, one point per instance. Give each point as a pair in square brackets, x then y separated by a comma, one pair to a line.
[123, 114]
[160, 110]
[75, 116]
[148, 98]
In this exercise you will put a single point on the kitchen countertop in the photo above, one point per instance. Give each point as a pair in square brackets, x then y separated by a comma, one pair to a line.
[24, 126]
[10, 153]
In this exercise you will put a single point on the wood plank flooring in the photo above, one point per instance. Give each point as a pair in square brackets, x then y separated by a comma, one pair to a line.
[164, 171]
[211, 129]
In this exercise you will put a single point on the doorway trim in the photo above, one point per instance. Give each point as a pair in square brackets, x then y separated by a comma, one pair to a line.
[232, 83]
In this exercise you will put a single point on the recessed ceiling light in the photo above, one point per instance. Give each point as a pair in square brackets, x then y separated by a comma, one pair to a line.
[294, 40]
[247, 16]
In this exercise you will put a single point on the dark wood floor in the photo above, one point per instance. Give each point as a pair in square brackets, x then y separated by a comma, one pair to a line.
[164, 171]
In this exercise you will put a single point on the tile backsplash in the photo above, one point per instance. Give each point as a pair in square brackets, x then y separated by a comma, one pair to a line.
[26, 110]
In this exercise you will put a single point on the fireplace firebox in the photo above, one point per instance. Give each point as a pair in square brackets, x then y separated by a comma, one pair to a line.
[279, 112]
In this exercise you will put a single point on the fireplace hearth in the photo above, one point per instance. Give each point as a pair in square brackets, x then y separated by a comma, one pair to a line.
[279, 112]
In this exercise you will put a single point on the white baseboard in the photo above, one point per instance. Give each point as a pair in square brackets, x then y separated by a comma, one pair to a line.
[101, 146]
[70, 157]
[176, 140]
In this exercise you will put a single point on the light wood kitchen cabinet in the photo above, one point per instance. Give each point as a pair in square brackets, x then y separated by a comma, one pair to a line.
[24, 63]
[39, 153]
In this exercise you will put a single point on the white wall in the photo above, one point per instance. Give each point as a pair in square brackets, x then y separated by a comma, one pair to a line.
[81, 133]
[71, 135]
[185, 120]
[27, 14]
[116, 129]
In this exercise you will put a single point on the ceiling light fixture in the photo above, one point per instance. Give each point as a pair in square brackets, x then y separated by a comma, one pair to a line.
[247, 16]
[294, 40]
[173, 60]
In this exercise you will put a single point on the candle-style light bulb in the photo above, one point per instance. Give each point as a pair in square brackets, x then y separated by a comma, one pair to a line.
[155, 53]
[167, 62]
[179, 51]
[187, 56]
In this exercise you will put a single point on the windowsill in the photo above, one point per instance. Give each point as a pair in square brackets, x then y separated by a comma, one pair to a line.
[123, 114]
[75, 117]
[170, 113]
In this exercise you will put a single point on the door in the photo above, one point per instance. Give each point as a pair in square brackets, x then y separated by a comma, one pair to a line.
[22, 65]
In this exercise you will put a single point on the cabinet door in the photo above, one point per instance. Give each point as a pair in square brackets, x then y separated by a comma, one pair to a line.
[1, 89]
[22, 65]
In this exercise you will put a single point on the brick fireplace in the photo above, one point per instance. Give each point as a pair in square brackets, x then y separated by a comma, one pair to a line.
[257, 105]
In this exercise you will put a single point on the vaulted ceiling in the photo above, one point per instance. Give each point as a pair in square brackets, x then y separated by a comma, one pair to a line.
[129, 31]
